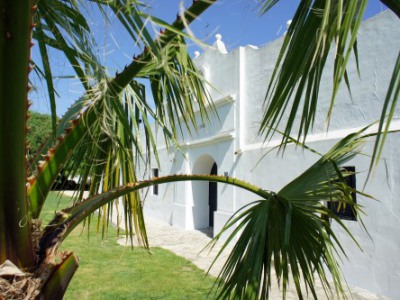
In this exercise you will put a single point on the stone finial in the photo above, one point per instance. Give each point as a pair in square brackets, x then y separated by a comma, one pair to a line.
[219, 44]
[196, 54]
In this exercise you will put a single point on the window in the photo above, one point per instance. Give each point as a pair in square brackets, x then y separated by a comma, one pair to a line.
[155, 187]
[345, 212]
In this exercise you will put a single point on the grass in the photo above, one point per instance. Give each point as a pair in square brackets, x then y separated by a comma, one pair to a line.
[110, 271]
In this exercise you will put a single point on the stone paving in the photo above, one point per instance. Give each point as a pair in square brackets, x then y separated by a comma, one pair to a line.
[185, 243]
[190, 244]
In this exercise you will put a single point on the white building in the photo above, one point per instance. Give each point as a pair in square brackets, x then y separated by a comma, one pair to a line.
[230, 146]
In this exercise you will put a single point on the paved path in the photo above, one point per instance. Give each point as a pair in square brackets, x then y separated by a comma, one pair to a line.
[189, 243]
[185, 243]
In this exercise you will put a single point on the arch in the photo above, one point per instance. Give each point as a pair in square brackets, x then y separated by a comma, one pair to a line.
[204, 193]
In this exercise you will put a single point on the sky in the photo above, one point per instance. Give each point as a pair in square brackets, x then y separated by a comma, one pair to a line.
[238, 21]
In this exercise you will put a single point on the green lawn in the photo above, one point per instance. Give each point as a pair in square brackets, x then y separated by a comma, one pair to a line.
[110, 271]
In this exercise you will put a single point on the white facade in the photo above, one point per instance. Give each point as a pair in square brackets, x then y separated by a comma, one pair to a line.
[241, 78]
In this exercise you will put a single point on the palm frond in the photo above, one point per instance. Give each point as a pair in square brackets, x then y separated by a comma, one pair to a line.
[65, 27]
[392, 97]
[47, 74]
[265, 5]
[318, 28]
[287, 238]
[100, 135]
[66, 220]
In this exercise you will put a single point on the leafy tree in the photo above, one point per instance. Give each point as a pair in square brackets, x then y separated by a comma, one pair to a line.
[39, 130]
[101, 132]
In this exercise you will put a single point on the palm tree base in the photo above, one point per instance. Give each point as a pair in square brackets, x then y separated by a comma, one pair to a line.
[16, 284]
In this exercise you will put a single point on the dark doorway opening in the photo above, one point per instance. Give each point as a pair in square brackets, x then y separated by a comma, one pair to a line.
[212, 196]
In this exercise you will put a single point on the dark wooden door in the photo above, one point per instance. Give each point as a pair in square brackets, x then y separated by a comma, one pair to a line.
[212, 196]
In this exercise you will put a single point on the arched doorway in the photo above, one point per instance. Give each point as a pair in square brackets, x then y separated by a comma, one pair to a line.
[212, 196]
[204, 193]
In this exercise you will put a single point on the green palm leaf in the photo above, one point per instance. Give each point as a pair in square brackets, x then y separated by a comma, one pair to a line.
[266, 5]
[67, 219]
[391, 99]
[102, 103]
[317, 28]
[288, 236]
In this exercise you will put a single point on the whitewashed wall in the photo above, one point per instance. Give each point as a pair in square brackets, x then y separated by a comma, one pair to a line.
[240, 79]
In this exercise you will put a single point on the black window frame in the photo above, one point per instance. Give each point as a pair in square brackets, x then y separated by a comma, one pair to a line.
[155, 187]
[347, 213]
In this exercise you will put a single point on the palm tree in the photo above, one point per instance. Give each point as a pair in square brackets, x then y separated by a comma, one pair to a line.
[99, 132]
[100, 135]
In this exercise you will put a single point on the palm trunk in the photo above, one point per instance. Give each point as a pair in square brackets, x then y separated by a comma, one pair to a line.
[15, 39]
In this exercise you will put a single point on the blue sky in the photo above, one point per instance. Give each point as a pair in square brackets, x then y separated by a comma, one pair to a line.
[236, 20]
[239, 22]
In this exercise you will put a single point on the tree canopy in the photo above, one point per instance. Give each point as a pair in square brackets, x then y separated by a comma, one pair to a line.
[40, 129]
